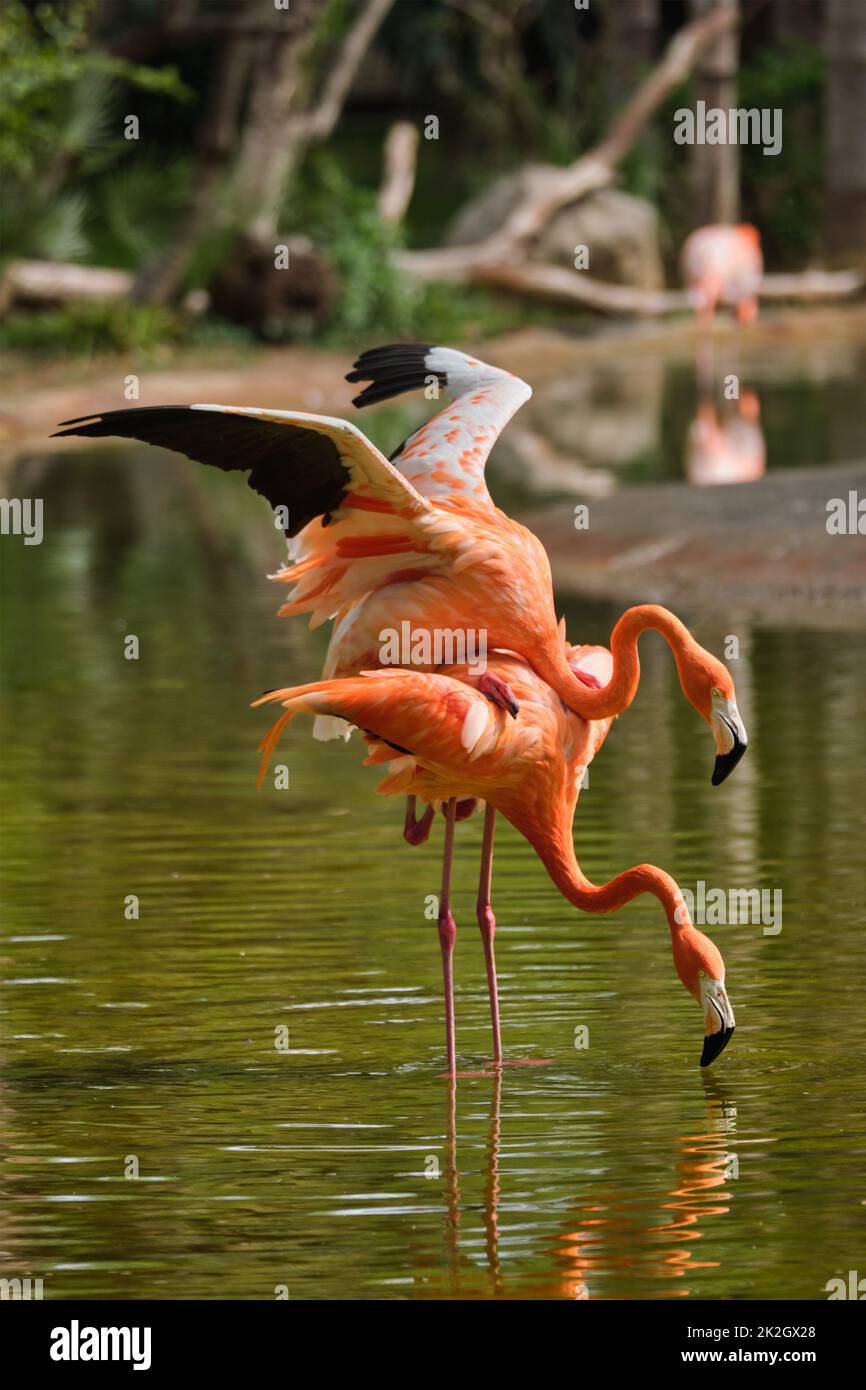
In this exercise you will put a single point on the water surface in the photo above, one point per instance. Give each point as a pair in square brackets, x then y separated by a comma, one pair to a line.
[343, 1167]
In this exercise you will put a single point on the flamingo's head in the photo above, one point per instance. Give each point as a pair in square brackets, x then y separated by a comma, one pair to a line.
[701, 968]
[707, 684]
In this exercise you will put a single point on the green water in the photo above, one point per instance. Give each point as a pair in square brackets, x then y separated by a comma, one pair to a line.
[343, 1167]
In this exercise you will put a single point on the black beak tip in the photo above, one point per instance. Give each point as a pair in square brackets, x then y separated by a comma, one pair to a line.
[714, 1043]
[726, 762]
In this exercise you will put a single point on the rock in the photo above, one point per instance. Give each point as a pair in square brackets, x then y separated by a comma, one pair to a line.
[620, 231]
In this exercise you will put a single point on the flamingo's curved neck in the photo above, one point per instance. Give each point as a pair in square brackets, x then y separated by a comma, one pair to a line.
[555, 848]
[618, 694]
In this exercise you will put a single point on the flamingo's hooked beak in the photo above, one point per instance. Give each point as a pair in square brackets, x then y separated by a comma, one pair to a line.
[718, 1017]
[730, 736]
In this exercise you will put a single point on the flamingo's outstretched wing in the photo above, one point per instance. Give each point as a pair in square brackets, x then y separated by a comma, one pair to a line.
[444, 459]
[309, 464]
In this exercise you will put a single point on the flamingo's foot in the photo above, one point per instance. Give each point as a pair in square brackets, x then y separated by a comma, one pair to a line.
[416, 832]
[499, 693]
[463, 810]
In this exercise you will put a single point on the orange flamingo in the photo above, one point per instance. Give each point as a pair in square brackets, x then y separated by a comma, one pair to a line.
[417, 538]
[452, 743]
[723, 265]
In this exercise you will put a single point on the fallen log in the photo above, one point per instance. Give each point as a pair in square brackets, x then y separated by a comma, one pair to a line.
[57, 282]
[555, 283]
[558, 285]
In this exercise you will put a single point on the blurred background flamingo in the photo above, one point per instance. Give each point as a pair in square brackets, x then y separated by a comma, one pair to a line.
[723, 265]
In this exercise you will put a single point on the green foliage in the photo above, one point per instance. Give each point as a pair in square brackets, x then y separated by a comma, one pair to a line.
[137, 205]
[45, 56]
[58, 118]
[342, 219]
[60, 234]
[90, 329]
[375, 298]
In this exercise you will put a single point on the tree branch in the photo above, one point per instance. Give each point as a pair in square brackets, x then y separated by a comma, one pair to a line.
[320, 121]
[398, 176]
[591, 171]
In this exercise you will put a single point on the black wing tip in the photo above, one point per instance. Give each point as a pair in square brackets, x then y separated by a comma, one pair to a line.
[63, 426]
[391, 370]
[101, 421]
[387, 354]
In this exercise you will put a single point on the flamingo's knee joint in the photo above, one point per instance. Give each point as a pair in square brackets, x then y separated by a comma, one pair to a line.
[447, 930]
[486, 919]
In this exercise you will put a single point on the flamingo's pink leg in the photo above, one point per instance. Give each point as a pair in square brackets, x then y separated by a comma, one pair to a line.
[415, 832]
[487, 923]
[447, 936]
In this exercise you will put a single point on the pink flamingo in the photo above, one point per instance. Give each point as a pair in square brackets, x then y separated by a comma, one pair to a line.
[723, 265]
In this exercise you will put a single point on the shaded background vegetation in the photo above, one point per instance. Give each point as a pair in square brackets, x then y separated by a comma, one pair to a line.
[510, 81]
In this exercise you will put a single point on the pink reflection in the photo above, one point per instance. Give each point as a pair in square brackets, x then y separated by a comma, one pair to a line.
[726, 448]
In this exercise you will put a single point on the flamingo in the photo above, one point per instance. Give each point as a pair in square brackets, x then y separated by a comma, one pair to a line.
[723, 264]
[375, 541]
[452, 743]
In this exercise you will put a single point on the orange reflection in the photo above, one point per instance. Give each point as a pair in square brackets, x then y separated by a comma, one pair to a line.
[612, 1233]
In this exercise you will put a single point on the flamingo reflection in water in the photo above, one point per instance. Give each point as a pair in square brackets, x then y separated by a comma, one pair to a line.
[727, 449]
[605, 1239]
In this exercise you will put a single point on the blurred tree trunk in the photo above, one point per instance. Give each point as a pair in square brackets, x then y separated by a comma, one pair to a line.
[716, 168]
[845, 162]
[264, 53]
[158, 279]
[280, 125]
[272, 134]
